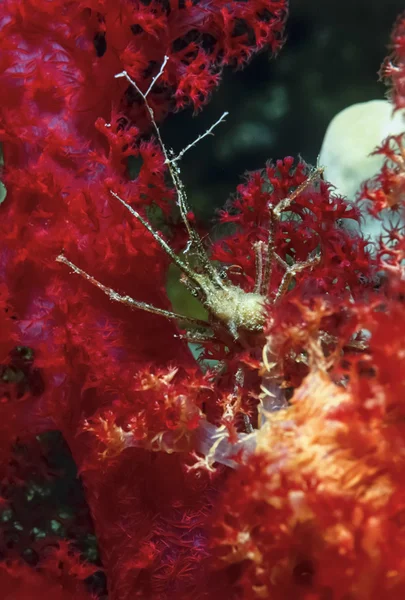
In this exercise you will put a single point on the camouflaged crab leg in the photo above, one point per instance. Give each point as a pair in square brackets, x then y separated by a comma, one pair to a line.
[162, 243]
[274, 218]
[172, 164]
[127, 300]
[290, 272]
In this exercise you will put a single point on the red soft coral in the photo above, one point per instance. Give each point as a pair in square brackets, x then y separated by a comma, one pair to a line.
[393, 68]
[310, 511]
[317, 510]
[71, 359]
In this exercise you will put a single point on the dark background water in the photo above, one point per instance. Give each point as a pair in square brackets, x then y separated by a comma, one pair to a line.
[281, 106]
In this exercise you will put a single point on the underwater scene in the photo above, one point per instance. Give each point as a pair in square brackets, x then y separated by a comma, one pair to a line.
[202, 300]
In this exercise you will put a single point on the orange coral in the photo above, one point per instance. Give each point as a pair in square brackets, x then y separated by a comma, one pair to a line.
[318, 512]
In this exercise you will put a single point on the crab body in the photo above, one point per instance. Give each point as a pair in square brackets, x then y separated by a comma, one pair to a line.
[233, 307]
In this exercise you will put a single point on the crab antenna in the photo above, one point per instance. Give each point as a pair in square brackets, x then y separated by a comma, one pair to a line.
[113, 295]
[193, 235]
[162, 243]
[174, 171]
[184, 207]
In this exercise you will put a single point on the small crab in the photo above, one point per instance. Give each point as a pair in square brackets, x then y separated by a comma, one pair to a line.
[232, 311]
[235, 316]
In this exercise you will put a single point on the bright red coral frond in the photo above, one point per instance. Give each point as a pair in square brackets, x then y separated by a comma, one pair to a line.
[393, 68]
[312, 223]
[387, 189]
[19, 582]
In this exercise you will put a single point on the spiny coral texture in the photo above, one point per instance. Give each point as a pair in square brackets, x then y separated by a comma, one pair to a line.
[386, 190]
[393, 68]
[383, 195]
[324, 517]
[315, 511]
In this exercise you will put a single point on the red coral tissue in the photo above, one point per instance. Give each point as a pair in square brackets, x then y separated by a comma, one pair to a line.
[272, 467]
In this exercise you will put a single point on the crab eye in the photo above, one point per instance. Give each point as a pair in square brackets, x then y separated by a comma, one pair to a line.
[194, 293]
[222, 274]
